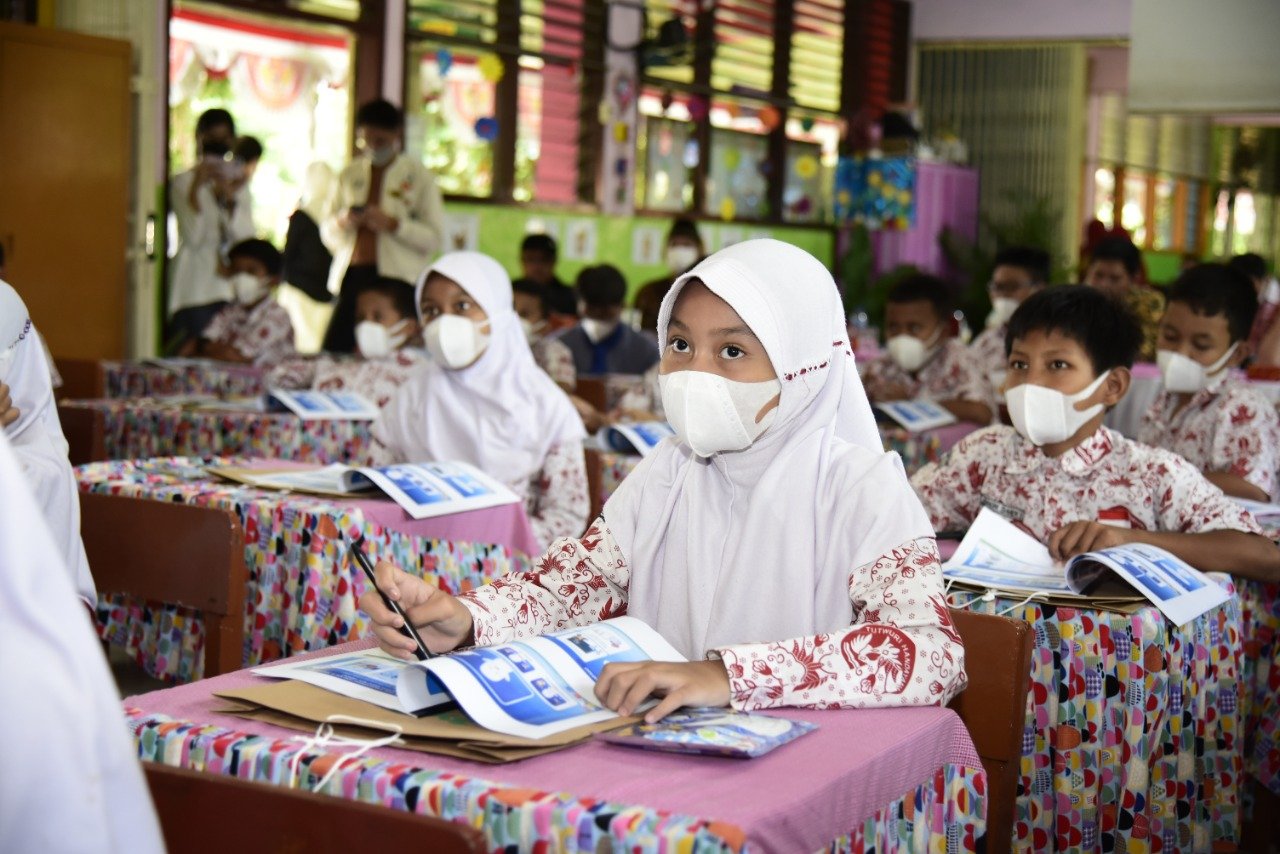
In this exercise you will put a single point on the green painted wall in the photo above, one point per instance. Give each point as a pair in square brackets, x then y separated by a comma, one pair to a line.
[620, 241]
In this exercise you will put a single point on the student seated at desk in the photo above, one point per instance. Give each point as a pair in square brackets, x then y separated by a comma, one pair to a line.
[773, 542]
[1072, 482]
[1020, 271]
[548, 350]
[601, 343]
[483, 401]
[386, 331]
[922, 360]
[1221, 425]
[253, 328]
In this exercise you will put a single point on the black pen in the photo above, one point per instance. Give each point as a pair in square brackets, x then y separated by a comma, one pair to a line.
[406, 627]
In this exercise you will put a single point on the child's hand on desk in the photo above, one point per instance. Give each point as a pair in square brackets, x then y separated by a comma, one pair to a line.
[8, 412]
[885, 391]
[1077, 538]
[623, 687]
[443, 621]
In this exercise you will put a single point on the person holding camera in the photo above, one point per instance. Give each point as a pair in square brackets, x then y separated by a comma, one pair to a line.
[387, 222]
[214, 210]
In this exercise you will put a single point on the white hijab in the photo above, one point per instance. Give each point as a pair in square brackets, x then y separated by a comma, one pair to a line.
[37, 435]
[758, 544]
[70, 779]
[502, 413]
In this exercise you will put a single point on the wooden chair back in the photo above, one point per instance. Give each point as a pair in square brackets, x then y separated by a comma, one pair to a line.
[86, 432]
[594, 392]
[997, 654]
[205, 812]
[595, 483]
[82, 379]
[178, 554]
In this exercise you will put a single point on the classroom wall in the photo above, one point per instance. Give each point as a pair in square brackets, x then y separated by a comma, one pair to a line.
[632, 244]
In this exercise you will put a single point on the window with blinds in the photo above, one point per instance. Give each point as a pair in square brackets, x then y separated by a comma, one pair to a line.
[744, 47]
[817, 51]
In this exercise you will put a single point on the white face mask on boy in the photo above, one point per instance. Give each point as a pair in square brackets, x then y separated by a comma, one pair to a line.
[249, 288]
[1045, 416]
[455, 341]
[910, 352]
[713, 414]
[375, 341]
[1184, 375]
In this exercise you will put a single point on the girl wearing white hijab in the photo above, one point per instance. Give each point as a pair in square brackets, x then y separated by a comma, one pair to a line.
[484, 400]
[70, 779]
[37, 437]
[771, 541]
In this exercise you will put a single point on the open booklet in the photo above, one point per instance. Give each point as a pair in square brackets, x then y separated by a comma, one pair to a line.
[310, 404]
[997, 555]
[1268, 515]
[916, 415]
[641, 437]
[530, 689]
[424, 490]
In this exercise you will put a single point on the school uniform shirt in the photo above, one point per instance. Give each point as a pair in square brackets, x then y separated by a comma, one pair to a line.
[987, 350]
[803, 562]
[556, 359]
[1106, 478]
[1226, 426]
[952, 374]
[376, 379]
[502, 414]
[263, 334]
[70, 780]
[204, 235]
[622, 351]
[408, 193]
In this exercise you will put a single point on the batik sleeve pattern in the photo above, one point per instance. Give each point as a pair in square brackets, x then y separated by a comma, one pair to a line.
[901, 649]
[558, 501]
[576, 583]
[1245, 442]
[951, 490]
[1187, 503]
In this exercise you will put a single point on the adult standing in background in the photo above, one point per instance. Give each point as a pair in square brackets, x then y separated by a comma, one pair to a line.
[213, 209]
[387, 220]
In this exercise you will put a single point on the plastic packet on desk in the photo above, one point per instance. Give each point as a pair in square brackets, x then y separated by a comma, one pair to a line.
[712, 731]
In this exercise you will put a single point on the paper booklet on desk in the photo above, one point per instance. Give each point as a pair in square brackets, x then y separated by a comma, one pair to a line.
[1268, 515]
[423, 490]
[997, 555]
[916, 415]
[310, 405]
[639, 438]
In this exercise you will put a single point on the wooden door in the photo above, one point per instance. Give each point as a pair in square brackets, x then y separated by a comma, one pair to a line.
[65, 155]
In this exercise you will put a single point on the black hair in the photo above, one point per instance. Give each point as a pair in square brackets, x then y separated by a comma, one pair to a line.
[247, 149]
[921, 287]
[261, 251]
[1213, 289]
[1034, 261]
[685, 228]
[1252, 265]
[398, 291]
[533, 289]
[1104, 327]
[381, 114]
[602, 285]
[1119, 249]
[544, 244]
[210, 119]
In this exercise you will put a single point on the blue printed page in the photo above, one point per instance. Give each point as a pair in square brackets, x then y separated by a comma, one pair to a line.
[715, 732]
[370, 675]
[998, 555]
[1180, 591]
[642, 436]
[310, 404]
[426, 490]
[917, 415]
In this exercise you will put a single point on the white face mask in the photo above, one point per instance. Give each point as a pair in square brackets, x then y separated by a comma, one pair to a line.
[375, 341]
[598, 330]
[681, 258]
[1271, 291]
[382, 156]
[1002, 308]
[248, 288]
[1045, 416]
[455, 341]
[1184, 375]
[532, 331]
[910, 352]
[713, 414]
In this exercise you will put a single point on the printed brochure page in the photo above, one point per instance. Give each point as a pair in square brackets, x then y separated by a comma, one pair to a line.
[641, 437]
[917, 415]
[310, 404]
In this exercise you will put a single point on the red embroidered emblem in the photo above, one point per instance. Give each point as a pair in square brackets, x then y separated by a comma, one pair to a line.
[883, 657]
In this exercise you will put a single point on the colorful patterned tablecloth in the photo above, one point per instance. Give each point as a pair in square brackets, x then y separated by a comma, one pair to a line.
[1261, 679]
[302, 591]
[1133, 740]
[880, 780]
[166, 377]
[147, 428]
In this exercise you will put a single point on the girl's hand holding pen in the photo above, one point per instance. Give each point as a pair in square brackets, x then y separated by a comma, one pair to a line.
[443, 622]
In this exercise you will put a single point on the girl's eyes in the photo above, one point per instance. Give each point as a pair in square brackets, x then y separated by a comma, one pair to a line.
[1017, 365]
[1059, 365]
[462, 306]
[430, 311]
[678, 345]
[731, 351]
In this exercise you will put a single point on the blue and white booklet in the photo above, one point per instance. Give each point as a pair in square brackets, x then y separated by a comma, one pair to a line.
[916, 415]
[713, 732]
[529, 689]
[310, 404]
[424, 490]
[997, 555]
[640, 438]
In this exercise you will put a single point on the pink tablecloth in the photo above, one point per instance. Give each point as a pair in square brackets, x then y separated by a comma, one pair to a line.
[507, 525]
[797, 799]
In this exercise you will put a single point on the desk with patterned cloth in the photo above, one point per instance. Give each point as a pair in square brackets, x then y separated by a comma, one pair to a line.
[165, 377]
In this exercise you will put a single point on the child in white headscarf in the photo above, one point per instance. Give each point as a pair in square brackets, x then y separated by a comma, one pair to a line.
[484, 400]
[772, 541]
[36, 436]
